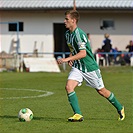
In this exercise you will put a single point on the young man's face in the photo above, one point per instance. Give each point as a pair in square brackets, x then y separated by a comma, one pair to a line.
[69, 22]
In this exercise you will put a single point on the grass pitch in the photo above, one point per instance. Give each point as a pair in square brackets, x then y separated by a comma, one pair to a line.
[51, 112]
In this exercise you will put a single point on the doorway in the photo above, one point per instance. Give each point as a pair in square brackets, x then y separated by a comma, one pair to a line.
[59, 39]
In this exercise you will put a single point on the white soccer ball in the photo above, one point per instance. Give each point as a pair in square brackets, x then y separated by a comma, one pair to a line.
[25, 115]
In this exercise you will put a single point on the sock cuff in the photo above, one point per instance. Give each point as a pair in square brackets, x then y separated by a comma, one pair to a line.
[72, 93]
[111, 96]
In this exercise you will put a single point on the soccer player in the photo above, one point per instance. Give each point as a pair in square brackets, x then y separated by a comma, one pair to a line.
[84, 67]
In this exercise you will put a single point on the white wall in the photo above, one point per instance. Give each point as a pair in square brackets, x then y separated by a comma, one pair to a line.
[38, 29]
[120, 36]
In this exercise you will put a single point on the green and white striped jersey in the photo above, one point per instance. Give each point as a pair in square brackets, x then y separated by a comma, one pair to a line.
[76, 41]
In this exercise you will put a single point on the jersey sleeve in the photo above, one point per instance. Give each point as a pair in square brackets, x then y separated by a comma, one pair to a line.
[82, 42]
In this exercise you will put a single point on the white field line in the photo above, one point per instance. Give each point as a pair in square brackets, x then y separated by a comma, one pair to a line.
[44, 93]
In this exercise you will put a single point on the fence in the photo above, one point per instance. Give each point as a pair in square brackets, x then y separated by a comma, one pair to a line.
[116, 58]
[15, 61]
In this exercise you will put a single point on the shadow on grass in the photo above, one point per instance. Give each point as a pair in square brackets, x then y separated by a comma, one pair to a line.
[8, 117]
[34, 118]
[101, 119]
[48, 119]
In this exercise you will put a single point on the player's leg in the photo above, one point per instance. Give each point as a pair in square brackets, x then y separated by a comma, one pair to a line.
[72, 97]
[113, 100]
[73, 81]
[94, 79]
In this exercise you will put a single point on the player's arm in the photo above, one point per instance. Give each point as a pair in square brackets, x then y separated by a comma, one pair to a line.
[81, 54]
[70, 63]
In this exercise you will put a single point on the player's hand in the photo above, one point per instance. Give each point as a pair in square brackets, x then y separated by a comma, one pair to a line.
[61, 60]
[70, 63]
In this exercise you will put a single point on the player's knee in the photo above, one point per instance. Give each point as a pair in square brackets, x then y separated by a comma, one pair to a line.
[68, 88]
[104, 92]
[100, 92]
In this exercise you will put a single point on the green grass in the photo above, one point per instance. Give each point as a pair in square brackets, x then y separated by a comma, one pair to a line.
[51, 112]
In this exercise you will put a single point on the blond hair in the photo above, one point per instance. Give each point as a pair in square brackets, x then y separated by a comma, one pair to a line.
[74, 14]
[106, 35]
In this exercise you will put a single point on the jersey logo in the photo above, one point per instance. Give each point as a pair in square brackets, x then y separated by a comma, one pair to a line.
[70, 47]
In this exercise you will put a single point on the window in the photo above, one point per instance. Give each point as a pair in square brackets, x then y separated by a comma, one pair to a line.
[13, 26]
[107, 24]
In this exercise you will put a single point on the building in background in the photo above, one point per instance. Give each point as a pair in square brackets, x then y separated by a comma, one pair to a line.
[41, 23]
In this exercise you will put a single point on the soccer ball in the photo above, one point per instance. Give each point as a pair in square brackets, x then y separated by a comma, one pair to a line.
[25, 114]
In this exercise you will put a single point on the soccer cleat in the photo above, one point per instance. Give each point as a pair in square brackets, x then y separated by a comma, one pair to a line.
[122, 115]
[76, 118]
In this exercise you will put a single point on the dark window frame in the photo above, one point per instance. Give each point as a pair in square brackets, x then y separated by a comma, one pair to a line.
[12, 26]
[108, 24]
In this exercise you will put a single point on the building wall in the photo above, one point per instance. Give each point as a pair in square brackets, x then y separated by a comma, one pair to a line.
[120, 36]
[37, 34]
[38, 29]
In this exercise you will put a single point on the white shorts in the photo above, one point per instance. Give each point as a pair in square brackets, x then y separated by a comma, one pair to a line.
[93, 79]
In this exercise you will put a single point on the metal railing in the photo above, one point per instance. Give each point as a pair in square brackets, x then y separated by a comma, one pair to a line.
[17, 59]
[107, 57]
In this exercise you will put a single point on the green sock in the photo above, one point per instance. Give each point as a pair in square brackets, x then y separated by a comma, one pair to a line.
[73, 100]
[114, 102]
